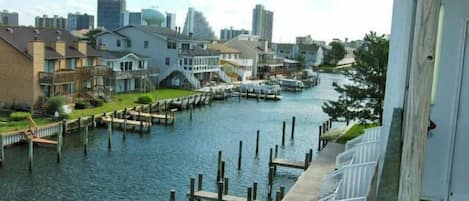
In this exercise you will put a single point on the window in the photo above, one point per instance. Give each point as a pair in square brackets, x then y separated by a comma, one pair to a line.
[118, 43]
[190, 61]
[145, 44]
[167, 61]
[71, 63]
[171, 45]
[89, 61]
[141, 64]
[49, 66]
[129, 43]
[185, 46]
[185, 61]
[122, 66]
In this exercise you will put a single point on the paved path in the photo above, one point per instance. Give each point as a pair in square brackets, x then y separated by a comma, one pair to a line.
[308, 186]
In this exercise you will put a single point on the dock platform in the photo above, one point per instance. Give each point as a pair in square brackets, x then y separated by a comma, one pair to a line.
[44, 141]
[309, 184]
[290, 164]
[129, 122]
[155, 116]
[205, 195]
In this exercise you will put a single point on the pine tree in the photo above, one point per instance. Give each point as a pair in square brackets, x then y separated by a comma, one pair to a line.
[363, 99]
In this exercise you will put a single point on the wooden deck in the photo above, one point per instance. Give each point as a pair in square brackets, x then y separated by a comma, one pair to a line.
[155, 116]
[129, 122]
[44, 141]
[205, 195]
[290, 164]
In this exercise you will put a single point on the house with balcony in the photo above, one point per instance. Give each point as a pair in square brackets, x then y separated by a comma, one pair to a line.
[236, 68]
[312, 55]
[265, 62]
[128, 71]
[40, 63]
[174, 59]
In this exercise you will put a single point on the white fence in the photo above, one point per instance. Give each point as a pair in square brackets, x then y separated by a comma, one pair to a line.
[356, 167]
[18, 136]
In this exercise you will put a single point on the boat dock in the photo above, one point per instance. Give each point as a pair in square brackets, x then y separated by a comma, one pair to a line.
[290, 164]
[205, 195]
[152, 116]
[125, 122]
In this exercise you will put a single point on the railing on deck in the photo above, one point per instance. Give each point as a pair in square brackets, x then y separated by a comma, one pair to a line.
[42, 131]
[58, 77]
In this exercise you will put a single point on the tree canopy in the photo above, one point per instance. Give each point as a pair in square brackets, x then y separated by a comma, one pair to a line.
[337, 52]
[91, 36]
[363, 98]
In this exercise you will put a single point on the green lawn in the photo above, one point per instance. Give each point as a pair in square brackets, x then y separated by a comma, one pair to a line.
[6, 126]
[355, 131]
[121, 101]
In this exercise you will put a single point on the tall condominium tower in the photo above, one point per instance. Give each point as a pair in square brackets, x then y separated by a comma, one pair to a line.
[197, 27]
[262, 22]
[171, 21]
[55, 22]
[109, 13]
[79, 21]
[228, 34]
[8, 18]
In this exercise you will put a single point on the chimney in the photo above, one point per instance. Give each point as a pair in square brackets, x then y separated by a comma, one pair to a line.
[36, 49]
[266, 46]
[82, 47]
[60, 47]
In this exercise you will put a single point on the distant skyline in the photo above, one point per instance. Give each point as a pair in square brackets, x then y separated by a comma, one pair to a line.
[322, 19]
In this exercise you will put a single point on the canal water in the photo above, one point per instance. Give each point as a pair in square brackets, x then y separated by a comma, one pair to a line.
[149, 166]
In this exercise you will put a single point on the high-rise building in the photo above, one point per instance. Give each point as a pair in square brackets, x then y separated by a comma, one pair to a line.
[109, 13]
[55, 22]
[128, 17]
[79, 21]
[8, 18]
[262, 22]
[228, 34]
[197, 27]
[171, 21]
[305, 40]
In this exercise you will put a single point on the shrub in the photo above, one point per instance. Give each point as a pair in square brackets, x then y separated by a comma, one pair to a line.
[54, 104]
[145, 100]
[19, 116]
[80, 105]
[97, 102]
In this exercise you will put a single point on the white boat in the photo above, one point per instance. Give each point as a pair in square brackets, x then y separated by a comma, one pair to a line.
[291, 85]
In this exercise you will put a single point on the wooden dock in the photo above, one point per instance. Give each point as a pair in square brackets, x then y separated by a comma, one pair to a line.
[205, 195]
[257, 95]
[122, 121]
[290, 164]
[44, 141]
[154, 116]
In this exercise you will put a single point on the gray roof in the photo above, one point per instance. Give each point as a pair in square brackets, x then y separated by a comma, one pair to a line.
[19, 37]
[162, 31]
[253, 45]
[118, 54]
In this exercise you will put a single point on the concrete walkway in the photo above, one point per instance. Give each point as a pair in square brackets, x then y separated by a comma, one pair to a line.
[308, 186]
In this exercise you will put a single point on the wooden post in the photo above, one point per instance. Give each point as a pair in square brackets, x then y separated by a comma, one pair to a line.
[79, 124]
[277, 196]
[200, 182]
[306, 161]
[109, 130]
[271, 179]
[319, 138]
[418, 98]
[247, 94]
[172, 195]
[310, 155]
[93, 121]
[150, 112]
[226, 185]
[165, 114]
[85, 141]
[293, 128]
[190, 115]
[220, 191]
[125, 130]
[257, 143]
[222, 172]
[219, 165]
[283, 133]
[59, 146]
[282, 192]
[270, 158]
[30, 154]
[140, 119]
[2, 152]
[192, 189]
[276, 151]
[240, 154]
[330, 123]
[249, 194]
[254, 191]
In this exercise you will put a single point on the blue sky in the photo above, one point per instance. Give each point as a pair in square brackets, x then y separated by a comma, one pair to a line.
[322, 19]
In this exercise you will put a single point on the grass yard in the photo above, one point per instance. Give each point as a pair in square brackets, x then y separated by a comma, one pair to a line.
[6, 125]
[128, 100]
[355, 131]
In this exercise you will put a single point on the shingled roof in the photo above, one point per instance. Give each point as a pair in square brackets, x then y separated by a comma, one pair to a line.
[19, 37]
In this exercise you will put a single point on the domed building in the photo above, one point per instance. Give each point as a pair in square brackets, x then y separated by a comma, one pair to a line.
[153, 17]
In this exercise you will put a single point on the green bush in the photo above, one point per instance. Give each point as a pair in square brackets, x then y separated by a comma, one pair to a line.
[145, 100]
[97, 102]
[80, 105]
[19, 116]
[54, 104]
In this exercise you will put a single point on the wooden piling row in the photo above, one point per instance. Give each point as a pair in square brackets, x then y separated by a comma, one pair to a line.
[257, 143]
[283, 134]
[240, 154]
[293, 128]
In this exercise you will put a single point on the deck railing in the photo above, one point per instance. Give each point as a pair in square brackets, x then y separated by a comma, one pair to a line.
[355, 169]
[43, 131]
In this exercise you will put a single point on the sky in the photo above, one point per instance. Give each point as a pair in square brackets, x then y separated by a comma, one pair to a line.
[322, 19]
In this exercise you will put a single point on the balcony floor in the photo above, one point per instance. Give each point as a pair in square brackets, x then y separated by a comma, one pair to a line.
[308, 185]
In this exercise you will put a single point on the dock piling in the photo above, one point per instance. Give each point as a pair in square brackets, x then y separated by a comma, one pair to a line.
[319, 138]
[200, 181]
[220, 191]
[190, 114]
[226, 186]
[219, 165]
[277, 196]
[276, 151]
[125, 129]
[192, 189]
[283, 134]
[59, 146]
[85, 141]
[257, 143]
[249, 194]
[271, 179]
[93, 121]
[254, 191]
[109, 130]
[310, 155]
[30, 154]
[222, 172]
[293, 128]
[306, 161]
[240, 154]
[172, 195]
[282, 192]
[270, 158]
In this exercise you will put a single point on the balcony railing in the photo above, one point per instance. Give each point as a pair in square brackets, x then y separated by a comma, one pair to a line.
[270, 61]
[57, 77]
[129, 74]
[93, 71]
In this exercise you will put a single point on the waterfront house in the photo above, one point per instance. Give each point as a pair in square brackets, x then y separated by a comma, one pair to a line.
[40, 63]
[427, 82]
[128, 71]
[285, 50]
[312, 55]
[174, 59]
[232, 64]
[265, 61]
